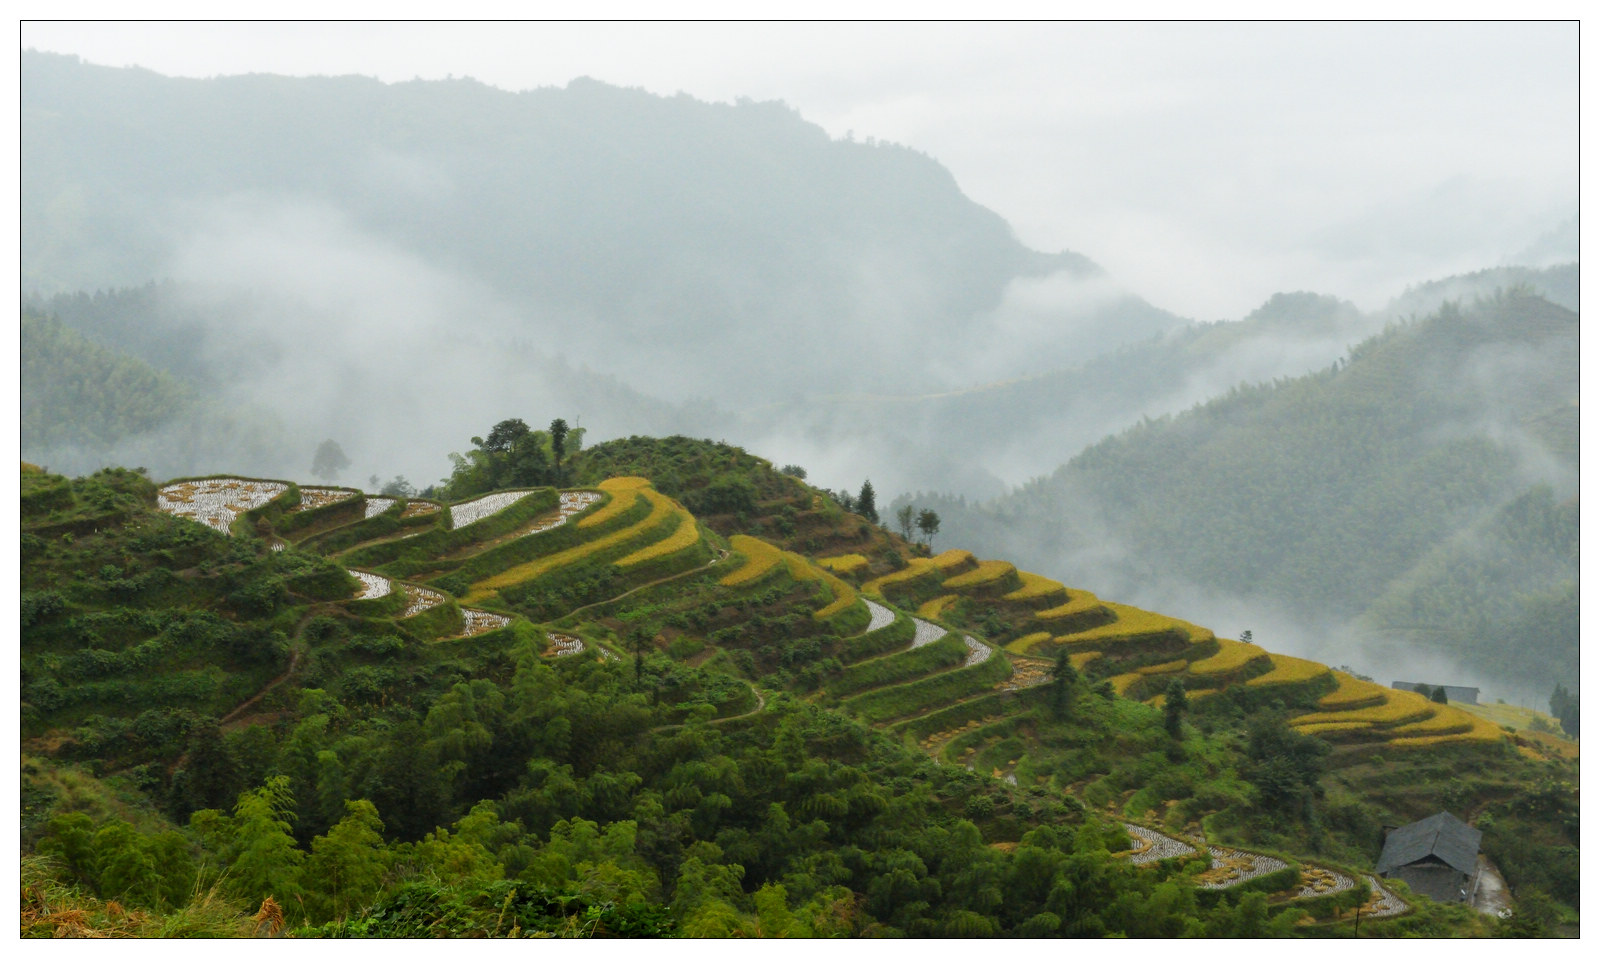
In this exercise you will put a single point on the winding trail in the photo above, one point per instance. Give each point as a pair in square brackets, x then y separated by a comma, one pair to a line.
[722, 554]
[761, 703]
[294, 662]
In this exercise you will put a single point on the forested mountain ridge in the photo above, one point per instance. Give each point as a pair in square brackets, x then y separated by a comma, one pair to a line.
[402, 717]
[1321, 494]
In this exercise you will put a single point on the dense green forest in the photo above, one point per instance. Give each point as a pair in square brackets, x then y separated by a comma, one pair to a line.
[221, 737]
[1424, 488]
[80, 393]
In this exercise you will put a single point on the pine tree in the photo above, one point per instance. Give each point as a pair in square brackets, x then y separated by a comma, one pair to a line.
[866, 502]
[1177, 705]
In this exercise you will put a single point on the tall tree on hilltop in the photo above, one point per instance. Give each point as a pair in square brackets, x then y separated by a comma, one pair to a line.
[558, 439]
[502, 436]
[906, 517]
[867, 502]
[1564, 707]
[928, 522]
[328, 461]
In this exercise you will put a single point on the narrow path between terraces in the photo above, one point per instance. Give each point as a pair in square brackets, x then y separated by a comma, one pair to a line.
[294, 663]
[722, 554]
[761, 703]
[876, 615]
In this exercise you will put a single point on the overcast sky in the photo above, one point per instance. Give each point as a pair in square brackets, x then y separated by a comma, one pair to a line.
[1205, 166]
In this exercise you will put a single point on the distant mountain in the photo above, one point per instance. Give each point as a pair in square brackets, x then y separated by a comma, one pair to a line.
[1312, 499]
[978, 442]
[694, 247]
[1558, 284]
[186, 379]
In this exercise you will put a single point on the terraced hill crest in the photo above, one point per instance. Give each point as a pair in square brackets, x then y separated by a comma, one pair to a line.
[773, 597]
[945, 638]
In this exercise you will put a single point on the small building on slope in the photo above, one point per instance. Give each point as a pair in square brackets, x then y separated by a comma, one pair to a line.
[1437, 857]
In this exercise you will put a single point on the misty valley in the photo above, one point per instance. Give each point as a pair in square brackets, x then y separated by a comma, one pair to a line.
[449, 512]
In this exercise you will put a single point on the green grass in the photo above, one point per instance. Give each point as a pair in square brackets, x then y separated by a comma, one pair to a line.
[930, 692]
[947, 651]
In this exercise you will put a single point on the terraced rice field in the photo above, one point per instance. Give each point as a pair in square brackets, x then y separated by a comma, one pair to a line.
[848, 563]
[844, 595]
[1026, 644]
[686, 535]
[952, 559]
[934, 744]
[1230, 867]
[1382, 903]
[988, 571]
[1400, 707]
[624, 483]
[878, 616]
[216, 502]
[1027, 672]
[1231, 656]
[1077, 602]
[465, 514]
[316, 497]
[1122, 682]
[976, 652]
[624, 494]
[1480, 732]
[419, 600]
[660, 511]
[1034, 587]
[1288, 669]
[563, 645]
[1316, 881]
[373, 586]
[916, 568]
[934, 608]
[1399, 717]
[1152, 846]
[1353, 693]
[476, 622]
[571, 504]
[418, 507]
[1160, 669]
[926, 633]
[760, 558]
[1131, 622]
[376, 505]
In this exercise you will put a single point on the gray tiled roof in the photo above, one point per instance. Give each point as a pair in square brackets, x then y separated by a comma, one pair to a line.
[1440, 835]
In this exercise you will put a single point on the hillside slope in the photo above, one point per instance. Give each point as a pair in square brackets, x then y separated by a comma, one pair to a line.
[1321, 494]
[534, 663]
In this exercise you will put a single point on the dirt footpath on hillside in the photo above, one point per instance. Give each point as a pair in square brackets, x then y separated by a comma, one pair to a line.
[1492, 895]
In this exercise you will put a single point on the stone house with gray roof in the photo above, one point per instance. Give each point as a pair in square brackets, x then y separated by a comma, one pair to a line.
[1437, 857]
